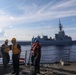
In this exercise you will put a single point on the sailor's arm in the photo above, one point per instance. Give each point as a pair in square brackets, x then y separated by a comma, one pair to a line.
[19, 48]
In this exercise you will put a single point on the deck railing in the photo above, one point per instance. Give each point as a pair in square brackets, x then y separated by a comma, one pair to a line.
[46, 57]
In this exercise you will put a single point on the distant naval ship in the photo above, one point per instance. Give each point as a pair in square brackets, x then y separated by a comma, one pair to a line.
[60, 38]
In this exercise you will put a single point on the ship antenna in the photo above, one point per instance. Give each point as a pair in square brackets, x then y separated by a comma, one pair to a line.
[60, 26]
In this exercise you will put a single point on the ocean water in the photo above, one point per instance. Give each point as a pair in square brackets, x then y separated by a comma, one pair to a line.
[50, 54]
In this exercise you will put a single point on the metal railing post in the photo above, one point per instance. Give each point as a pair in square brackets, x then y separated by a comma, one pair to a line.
[69, 56]
[25, 56]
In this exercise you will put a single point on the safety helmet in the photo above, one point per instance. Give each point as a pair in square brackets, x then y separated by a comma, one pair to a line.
[37, 40]
[13, 39]
[6, 40]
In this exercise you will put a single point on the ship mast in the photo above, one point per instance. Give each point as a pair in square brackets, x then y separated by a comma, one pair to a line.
[60, 26]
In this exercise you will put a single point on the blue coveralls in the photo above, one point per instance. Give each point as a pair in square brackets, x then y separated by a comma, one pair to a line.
[37, 60]
[6, 57]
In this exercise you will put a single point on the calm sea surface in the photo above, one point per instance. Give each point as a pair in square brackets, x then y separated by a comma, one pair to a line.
[51, 54]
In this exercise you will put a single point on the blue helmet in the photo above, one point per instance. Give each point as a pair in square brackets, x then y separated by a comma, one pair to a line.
[36, 40]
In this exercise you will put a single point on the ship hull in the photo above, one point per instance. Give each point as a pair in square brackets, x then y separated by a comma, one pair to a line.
[49, 43]
[57, 43]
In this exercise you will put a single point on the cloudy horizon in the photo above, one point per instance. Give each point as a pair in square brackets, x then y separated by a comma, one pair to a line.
[24, 19]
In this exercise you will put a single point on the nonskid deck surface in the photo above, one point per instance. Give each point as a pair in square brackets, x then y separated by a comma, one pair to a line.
[45, 69]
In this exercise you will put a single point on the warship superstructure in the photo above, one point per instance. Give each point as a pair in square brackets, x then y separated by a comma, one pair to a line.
[60, 38]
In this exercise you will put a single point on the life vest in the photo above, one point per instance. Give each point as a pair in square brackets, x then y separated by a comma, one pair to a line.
[35, 47]
[15, 50]
[6, 48]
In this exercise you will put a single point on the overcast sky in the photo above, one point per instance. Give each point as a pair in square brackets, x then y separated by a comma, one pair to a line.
[24, 19]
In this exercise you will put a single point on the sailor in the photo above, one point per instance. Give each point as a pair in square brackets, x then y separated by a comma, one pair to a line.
[32, 52]
[37, 56]
[5, 53]
[16, 50]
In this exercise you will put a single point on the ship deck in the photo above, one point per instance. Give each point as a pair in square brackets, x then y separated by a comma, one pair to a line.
[45, 69]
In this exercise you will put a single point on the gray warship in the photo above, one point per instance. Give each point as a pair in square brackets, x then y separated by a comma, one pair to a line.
[60, 38]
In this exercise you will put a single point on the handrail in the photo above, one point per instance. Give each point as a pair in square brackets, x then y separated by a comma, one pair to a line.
[67, 56]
